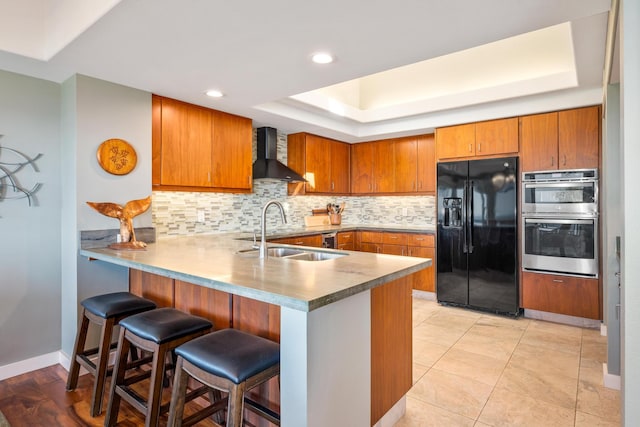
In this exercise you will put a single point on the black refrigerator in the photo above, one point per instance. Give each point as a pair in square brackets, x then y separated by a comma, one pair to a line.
[477, 264]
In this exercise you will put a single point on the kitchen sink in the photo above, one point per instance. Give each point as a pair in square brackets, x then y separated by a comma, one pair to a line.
[293, 253]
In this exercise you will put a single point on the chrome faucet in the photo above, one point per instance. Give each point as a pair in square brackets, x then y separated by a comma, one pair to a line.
[263, 226]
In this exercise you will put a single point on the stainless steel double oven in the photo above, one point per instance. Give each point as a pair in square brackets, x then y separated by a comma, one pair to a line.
[560, 222]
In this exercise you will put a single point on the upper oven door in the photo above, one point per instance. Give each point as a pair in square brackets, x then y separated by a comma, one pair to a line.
[579, 198]
[564, 246]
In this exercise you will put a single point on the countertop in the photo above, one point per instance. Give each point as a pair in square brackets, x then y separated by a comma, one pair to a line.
[212, 260]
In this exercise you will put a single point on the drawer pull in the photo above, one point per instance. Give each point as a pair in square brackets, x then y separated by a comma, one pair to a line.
[558, 281]
[420, 239]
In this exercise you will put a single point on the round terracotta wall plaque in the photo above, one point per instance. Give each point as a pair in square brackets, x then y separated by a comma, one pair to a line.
[117, 156]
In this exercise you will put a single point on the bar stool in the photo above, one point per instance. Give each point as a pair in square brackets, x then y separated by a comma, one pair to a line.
[106, 311]
[228, 360]
[159, 332]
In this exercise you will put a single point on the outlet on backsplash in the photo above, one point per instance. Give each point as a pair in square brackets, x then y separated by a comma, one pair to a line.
[405, 211]
[201, 215]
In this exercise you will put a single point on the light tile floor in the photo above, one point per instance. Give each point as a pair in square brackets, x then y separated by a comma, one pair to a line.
[476, 369]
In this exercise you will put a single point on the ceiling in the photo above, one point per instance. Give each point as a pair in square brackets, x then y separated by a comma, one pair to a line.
[401, 67]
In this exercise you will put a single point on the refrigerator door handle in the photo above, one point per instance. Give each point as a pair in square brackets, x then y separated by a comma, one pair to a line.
[464, 218]
[470, 216]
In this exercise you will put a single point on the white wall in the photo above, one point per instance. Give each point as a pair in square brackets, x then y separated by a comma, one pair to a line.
[30, 242]
[611, 224]
[630, 112]
[95, 111]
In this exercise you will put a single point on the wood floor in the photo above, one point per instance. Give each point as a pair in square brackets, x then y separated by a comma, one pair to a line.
[39, 399]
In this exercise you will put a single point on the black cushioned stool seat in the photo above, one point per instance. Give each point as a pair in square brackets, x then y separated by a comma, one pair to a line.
[228, 360]
[106, 311]
[159, 332]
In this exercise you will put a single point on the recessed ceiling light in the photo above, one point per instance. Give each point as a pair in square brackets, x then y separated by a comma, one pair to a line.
[322, 58]
[214, 93]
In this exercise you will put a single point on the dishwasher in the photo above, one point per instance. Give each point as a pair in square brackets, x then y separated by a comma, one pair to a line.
[330, 240]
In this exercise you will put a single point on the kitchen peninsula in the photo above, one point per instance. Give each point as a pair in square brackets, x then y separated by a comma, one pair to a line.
[344, 323]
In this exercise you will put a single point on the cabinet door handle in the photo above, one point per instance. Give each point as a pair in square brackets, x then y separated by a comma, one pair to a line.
[402, 251]
[552, 160]
[564, 160]
[208, 176]
[470, 147]
[332, 185]
[479, 147]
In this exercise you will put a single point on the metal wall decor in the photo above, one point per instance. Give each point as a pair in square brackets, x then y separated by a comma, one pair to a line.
[11, 163]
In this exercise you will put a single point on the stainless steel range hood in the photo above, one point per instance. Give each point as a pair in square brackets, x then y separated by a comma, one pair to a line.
[267, 165]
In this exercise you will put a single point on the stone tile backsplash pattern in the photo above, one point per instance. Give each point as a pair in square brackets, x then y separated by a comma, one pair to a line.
[176, 213]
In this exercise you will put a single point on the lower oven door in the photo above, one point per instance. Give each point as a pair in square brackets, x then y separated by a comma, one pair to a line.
[560, 245]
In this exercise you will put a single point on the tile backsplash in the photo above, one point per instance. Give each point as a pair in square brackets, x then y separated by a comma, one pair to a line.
[181, 213]
[177, 212]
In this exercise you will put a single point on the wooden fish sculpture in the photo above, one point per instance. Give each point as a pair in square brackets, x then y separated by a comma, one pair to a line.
[125, 215]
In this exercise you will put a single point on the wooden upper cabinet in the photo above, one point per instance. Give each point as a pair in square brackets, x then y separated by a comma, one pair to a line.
[568, 139]
[383, 166]
[456, 141]
[400, 165]
[317, 164]
[185, 145]
[426, 169]
[340, 167]
[579, 138]
[323, 162]
[406, 165]
[232, 151]
[362, 168]
[199, 149]
[497, 137]
[539, 142]
[487, 138]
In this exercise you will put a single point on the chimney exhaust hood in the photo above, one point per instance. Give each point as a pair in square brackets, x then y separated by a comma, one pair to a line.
[266, 165]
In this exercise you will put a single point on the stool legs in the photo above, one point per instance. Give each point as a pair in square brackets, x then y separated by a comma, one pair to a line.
[119, 371]
[81, 339]
[81, 357]
[178, 396]
[236, 405]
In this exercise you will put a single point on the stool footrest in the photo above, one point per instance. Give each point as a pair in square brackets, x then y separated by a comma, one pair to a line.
[262, 410]
[217, 406]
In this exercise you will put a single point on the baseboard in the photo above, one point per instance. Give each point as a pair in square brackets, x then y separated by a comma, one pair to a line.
[32, 364]
[430, 296]
[563, 318]
[610, 380]
[603, 330]
[44, 361]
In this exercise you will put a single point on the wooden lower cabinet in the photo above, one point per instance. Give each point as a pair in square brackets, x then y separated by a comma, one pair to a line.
[391, 345]
[424, 280]
[313, 241]
[347, 240]
[370, 241]
[573, 296]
